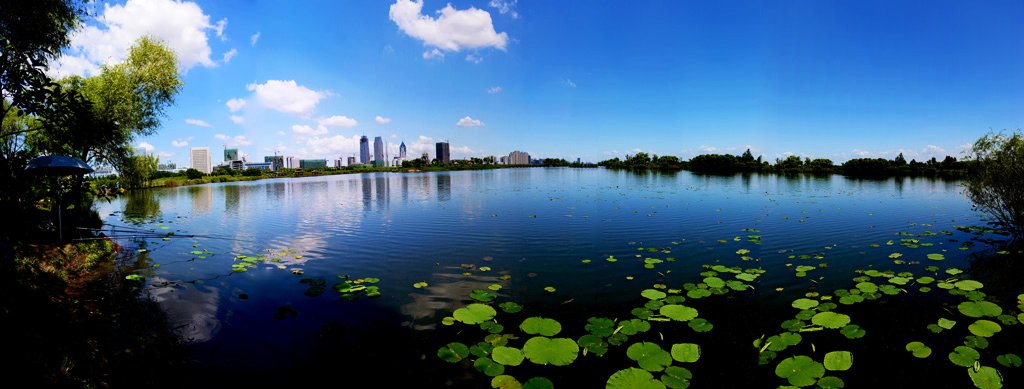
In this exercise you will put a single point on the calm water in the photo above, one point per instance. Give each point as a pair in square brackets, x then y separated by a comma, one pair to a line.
[535, 225]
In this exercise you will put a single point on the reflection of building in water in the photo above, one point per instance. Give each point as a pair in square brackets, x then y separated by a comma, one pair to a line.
[232, 196]
[446, 293]
[381, 184]
[444, 187]
[202, 198]
[367, 193]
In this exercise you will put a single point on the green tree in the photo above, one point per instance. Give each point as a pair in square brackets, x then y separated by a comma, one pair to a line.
[136, 170]
[996, 184]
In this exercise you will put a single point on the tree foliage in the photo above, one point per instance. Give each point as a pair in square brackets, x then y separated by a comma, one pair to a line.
[996, 182]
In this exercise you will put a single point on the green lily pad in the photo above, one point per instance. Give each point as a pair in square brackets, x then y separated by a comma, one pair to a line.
[714, 282]
[838, 360]
[1009, 360]
[634, 326]
[899, 280]
[979, 309]
[946, 323]
[505, 382]
[975, 342]
[805, 303]
[800, 370]
[593, 344]
[633, 378]
[700, 325]
[508, 356]
[482, 295]
[746, 277]
[510, 307]
[936, 257]
[487, 366]
[556, 351]
[134, 277]
[685, 352]
[867, 287]
[895, 255]
[549, 289]
[852, 331]
[968, 285]
[448, 320]
[474, 313]
[600, 326]
[420, 285]
[830, 382]
[678, 312]
[964, 356]
[540, 325]
[984, 328]
[676, 377]
[830, 320]
[453, 352]
[985, 377]
[492, 327]
[919, 349]
[653, 294]
[538, 383]
[649, 356]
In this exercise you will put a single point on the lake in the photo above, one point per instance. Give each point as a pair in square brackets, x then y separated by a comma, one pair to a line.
[249, 277]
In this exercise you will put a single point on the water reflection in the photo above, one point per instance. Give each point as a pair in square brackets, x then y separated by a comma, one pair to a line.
[444, 187]
[191, 309]
[202, 198]
[141, 205]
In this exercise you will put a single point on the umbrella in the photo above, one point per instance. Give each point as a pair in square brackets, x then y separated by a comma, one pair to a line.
[58, 165]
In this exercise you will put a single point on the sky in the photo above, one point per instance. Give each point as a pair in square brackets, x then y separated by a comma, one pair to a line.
[574, 79]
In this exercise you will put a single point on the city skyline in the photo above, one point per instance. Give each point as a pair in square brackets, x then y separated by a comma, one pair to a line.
[832, 80]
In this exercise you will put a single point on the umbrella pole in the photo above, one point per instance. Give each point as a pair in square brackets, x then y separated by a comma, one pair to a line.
[60, 219]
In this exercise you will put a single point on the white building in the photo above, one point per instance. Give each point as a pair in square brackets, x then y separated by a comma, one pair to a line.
[200, 157]
[518, 158]
[291, 162]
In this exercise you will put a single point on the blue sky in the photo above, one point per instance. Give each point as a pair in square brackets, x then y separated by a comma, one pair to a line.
[833, 79]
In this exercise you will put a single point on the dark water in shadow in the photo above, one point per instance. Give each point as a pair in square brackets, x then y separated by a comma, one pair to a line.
[535, 225]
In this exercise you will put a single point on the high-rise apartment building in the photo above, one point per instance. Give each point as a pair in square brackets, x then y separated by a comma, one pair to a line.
[378, 150]
[518, 158]
[364, 150]
[200, 158]
[351, 161]
[291, 162]
[443, 152]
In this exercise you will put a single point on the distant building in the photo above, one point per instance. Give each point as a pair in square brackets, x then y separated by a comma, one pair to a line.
[277, 161]
[260, 165]
[490, 159]
[518, 158]
[167, 167]
[312, 163]
[351, 161]
[338, 163]
[230, 155]
[503, 158]
[443, 153]
[396, 161]
[401, 151]
[364, 150]
[291, 162]
[236, 165]
[577, 160]
[378, 151]
[425, 158]
[200, 158]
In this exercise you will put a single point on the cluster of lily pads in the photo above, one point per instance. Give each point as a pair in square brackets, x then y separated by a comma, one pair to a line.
[349, 288]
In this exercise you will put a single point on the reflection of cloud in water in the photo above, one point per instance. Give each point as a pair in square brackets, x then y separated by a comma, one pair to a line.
[446, 293]
[191, 309]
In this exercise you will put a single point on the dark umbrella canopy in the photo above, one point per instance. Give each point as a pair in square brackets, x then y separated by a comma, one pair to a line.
[58, 165]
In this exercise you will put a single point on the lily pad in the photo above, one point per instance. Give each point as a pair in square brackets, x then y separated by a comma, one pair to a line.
[714, 282]
[420, 285]
[505, 382]
[633, 378]
[593, 344]
[549, 289]
[984, 328]
[540, 325]
[700, 325]
[474, 313]
[830, 382]
[800, 370]
[979, 309]
[556, 351]
[538, 383]
[676, 377]
[1009, 360]
[453, 352]
[510, 307]
[919, 349]
[653, 294]
[649, 356]
[830, 320]
[685, 352]
[936, 257]
[634, 326]
[852, 331]
[600, 326]
[867, 287]
[482, 295]
[805, 303]
[985, 377]
[968, 285]
[508, 356]
[964, 356]
[487, 366]
[838, 360]
[678, 312]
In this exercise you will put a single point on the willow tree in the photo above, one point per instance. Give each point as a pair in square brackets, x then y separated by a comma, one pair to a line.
[996, 181]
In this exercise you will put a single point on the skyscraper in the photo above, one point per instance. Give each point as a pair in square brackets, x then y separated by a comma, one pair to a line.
[200, 158]
[230, 155]
[401, 151]
[364, 150]
[518, 158]
[443, 154]
[378, 150]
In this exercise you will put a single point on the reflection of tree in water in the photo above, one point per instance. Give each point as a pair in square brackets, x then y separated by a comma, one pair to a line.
[1000, 273]
[141, 205]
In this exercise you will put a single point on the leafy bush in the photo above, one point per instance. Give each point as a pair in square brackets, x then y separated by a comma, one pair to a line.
[193, 174]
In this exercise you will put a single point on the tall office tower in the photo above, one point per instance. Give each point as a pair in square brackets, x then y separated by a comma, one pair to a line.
[230, 155]
[364, 150]
[378, 150]
[443, 152]
[401, 151]
[200, 157]
[351, 161]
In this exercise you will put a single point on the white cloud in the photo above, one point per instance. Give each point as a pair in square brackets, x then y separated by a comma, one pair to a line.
[451, 30]
[474, 58]
[219, 29]
[505, 7]
[146, 146]
[229, 55]
[570, 83]
[382, 119]
[337, 122]
[236, 104]
[179, 143]
[934, 150]
[469, 122]
[494, 90]
[305, 130]
[197, 122]
[232, 141]
[965, 148]
[333, 146]
[707, 149]
[287, 97]
[165, 154]
[254, 38]
[236, 119]
[433, 54]
[181, 25]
